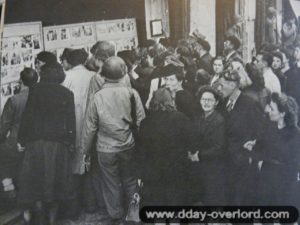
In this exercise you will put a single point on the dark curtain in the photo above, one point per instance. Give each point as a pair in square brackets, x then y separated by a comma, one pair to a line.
[224, 19]
[261, 9]
[179, 12]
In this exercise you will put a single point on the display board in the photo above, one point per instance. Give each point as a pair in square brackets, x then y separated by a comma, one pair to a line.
[123, 33]
[79, 35]
[21, 43]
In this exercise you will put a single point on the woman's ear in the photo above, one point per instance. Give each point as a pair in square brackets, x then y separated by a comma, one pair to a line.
[216, 103]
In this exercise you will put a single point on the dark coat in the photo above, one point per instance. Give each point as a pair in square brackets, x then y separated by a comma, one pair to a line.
[10, 121]
[205, 62]
[49, 115]
[210, 133]
[164, 137]
[293, 83]
[244, 122]
[186, 103]
[208, 174]
[280, 154]
[234, 57]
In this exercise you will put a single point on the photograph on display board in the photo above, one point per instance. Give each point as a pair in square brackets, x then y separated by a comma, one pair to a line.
[5, 61]
[15, 59]
[4, 73]
[6, 90]
[64, 34]
[26, 41]
[27, 56]
[36, 42]
[87, 30]
[52, 35]
[76, 32]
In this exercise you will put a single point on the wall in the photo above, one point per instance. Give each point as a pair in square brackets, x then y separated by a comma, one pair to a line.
[203, 17]
[56, 12]
[155, 10]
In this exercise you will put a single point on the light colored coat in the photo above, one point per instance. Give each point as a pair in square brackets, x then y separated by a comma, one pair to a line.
[78, 81]
[109, 118]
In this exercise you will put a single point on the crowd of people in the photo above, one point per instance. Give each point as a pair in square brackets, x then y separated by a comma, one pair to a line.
[171, 123]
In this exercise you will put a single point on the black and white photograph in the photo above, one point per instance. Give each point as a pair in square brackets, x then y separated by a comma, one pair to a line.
[15, 59]
[3, 73]
[26, 42]
[5, 60]
[140, 112]
[6, 90]
[36, 42]
[52, 35]
[76, 32]
[87, 31]
[63, 34]
[27, 56]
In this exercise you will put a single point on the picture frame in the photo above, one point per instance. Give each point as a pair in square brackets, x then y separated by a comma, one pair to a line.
[156, 28]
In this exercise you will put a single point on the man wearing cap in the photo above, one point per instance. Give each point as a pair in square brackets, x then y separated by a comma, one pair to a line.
[244, 121]
[109, 119]
[231, 45]
[204, 59]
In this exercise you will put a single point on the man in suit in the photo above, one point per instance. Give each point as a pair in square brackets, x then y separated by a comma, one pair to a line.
[244, 121]
[202, 48]
[231, 45]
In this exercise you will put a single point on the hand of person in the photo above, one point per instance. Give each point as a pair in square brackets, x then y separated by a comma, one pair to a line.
[87, 162]
[260, 165]
[249, 145]
[20, 148]
[194, 157]
[140, 182]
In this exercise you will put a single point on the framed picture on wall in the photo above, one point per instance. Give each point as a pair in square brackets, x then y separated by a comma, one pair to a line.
[156, 27]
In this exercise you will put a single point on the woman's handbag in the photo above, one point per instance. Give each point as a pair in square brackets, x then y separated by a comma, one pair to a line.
[133, 213]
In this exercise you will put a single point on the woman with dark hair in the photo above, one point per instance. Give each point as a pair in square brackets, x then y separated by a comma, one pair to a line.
[164, 136]
[184, 100]
[44, 58]
[279, 151]
[209, 130]
[47, 132]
